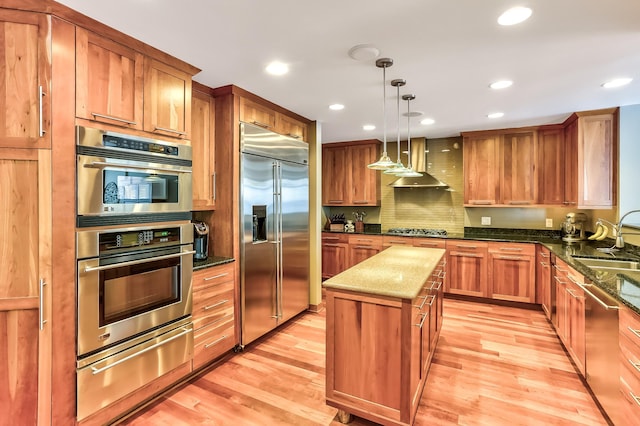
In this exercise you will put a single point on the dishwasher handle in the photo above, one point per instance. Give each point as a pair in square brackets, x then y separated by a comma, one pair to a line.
[596, 298]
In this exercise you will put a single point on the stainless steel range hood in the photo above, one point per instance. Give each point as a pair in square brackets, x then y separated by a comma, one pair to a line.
[419, 163]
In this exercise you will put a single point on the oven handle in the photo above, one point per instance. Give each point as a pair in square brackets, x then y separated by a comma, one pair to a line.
[102, 165]
[135, 262]
[95, 370]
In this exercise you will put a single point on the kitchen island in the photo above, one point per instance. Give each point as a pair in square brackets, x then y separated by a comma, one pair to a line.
[384, 317]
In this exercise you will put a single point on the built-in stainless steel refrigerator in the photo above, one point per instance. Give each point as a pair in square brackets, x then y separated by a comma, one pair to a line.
[274, 209]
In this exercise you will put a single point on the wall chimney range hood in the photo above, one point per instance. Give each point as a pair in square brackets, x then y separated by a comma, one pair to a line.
[419, 162]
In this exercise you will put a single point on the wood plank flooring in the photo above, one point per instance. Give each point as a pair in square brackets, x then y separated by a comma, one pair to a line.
[493, 366]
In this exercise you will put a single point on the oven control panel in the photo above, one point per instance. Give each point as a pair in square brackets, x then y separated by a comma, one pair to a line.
[139, 238]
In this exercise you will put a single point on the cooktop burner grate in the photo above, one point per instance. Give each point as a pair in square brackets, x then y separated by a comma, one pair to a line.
[418, 231]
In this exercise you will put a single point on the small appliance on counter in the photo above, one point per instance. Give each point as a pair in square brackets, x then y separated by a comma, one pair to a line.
[200, 240]
[573, 227]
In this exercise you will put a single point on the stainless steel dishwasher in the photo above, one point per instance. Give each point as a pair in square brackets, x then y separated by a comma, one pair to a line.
[601, 328]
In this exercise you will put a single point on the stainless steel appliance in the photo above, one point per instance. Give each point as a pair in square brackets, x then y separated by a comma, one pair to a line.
[130, 281]
[200, 240]
[573, 227]
[130, 179]
[134, 309]
[274, 209]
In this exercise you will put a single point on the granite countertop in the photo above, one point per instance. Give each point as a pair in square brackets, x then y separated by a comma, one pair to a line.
[211, 261]
[398, 271]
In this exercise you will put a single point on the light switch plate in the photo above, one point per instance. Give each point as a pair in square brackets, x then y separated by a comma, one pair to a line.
[486, 220]
[549, 223]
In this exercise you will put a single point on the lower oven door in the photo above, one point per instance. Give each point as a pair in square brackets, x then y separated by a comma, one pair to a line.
[121, 300]
[111, 374]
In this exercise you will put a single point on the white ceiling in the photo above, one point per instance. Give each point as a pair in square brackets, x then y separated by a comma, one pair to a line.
[447, 50]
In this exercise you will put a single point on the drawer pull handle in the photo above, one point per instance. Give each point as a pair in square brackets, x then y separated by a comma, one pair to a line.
[510, 257]
[41, 94]
[164, 129]
[331, 245]
[466, 246]
[258, 123]
[215, 342]
[361, 202]
[635, 398]
[635, 365]
[293, 135]
[330, 238]
[109, 117]
[636, 332]
[511, 249]
[215, 305]
[336, 201]
[420, 306]
[467, 255]
[216, 276]
[424, 317]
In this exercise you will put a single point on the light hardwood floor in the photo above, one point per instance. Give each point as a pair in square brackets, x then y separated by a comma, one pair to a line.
[493, 366]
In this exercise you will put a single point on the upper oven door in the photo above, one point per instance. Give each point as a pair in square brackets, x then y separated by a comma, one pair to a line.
[114, 186]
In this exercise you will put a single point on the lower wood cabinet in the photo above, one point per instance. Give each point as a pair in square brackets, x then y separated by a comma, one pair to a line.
[467, 268]
[335, 248]
[362, 247]
[629, 337]
[379, 350]
[213, 313]
[543, 279]
[511, 272]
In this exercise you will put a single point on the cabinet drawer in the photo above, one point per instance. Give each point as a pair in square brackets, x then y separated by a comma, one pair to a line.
[513, 249]
[334, 238]
[630, 328]
[366, 241]
[212, 309]
[388, 240]
[429, 243]
[212, 341]
[630, 404]
[467, 246]
[213, 276]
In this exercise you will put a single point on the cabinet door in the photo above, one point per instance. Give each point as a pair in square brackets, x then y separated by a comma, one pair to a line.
[519, 185]
[291, 127]
[481, 171]
[512, 272]
[551, 171]
[364, 181]
[334, 258]
[108, 81]
[571, 164]
[203, 150]
[336, 179]
[562, 304]
[257, 114]
[362, 247]
[576, 328]
[167, 100]
[25, 75]
[596, 153]
[25, 271]
[543, 279]
[467, 269]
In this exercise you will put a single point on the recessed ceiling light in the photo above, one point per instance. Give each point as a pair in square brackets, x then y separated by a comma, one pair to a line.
[495, 115]
[336, 107]
[368, 127]
[277, 68]
[616, 83]
[363, 52]
[515, 15]
[501, 84]
[427, 121]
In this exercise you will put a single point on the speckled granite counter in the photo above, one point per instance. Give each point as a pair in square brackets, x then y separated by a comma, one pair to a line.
[395, 272]
[211, 261]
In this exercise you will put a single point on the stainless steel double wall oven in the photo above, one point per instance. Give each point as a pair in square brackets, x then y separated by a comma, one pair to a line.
[134, 263]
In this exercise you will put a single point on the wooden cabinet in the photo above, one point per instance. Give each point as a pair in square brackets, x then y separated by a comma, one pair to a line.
[266, 117]
[467, 268]
[213, 313]
[596, 158]
[380, 375]
[518, 179]
[552, 167]
[570, 134]
[291, 127]
[511, 272]
[25, 278]
[481, 170]
[203, 151]
[390, 240]
[629, 337]
[543, 279]
[167, 100]
[570, 312]
[108, 81]
[362, 247]
[25, 100]
[334, 253]
[346, 179]
[429, 242]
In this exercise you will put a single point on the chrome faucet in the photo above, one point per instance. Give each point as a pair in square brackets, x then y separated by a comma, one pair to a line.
[618, 228]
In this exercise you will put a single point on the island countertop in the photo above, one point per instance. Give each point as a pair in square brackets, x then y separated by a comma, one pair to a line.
[398, 271]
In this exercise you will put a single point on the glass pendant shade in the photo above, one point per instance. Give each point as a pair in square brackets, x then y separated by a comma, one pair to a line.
[409, 172]
[384, 162]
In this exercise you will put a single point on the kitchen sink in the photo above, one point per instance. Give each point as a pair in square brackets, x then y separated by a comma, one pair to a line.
[600, 263]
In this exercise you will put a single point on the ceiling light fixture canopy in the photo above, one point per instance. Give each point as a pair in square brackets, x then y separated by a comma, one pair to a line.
[398, 167]
[384, 162]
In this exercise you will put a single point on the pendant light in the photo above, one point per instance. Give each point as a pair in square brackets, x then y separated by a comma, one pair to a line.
[384, 162]
[398, 166]
[409, 172]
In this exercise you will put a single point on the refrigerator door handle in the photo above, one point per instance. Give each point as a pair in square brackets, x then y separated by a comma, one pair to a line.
[277, 223]
[280, 239]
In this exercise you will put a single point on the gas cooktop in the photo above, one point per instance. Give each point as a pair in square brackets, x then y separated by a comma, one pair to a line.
[418, 232]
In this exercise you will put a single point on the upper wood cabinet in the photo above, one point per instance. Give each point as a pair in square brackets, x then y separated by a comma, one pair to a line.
[481, 170]
[25, 75]
[108, 81]
[552, 166]
[167, 99]
[203, 150]
[264, 116]
[346, 179]
[518, 180]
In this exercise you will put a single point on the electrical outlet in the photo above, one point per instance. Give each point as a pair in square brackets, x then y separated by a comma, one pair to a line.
[486, 220]
[549, 222]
